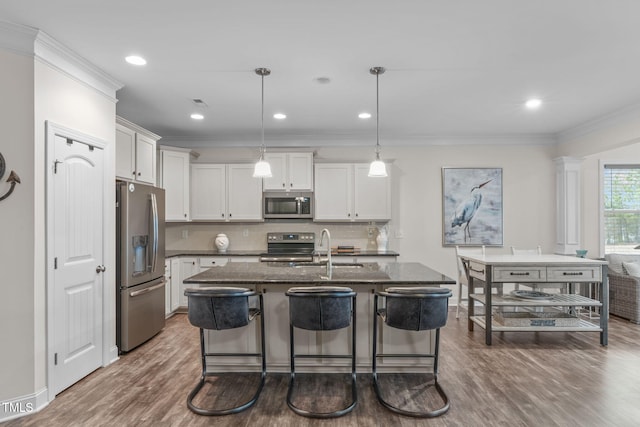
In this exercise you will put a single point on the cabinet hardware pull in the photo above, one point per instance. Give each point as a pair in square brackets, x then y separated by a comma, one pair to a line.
[576, 273]
[477, 271]
[526, 273]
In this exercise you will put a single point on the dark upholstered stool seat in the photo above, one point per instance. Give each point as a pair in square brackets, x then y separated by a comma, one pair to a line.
[219, 309]
[322, 308]
[414, 309]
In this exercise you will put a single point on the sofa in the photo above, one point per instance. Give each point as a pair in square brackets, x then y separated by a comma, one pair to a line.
[624, 286]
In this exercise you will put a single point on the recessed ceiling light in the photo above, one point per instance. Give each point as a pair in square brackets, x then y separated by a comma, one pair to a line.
[323, 80]
[533, 103]
[364, 115]
[196, 116]
[135, 60]
[279, 116]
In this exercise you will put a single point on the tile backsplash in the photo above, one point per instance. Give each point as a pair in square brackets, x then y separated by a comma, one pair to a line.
[253, 236]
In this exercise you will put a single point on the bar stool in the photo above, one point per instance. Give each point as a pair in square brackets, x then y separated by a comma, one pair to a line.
[322, 308]
[414, 309]
[219, 309]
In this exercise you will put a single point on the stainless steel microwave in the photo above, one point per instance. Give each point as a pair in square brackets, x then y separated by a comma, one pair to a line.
[288, 205]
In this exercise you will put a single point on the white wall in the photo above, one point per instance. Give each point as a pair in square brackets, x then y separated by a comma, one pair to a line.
[16, 227]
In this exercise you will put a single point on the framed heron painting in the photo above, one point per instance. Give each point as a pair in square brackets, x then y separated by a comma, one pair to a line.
[472, 207]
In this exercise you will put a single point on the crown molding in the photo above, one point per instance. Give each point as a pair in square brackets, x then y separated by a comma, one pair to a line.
[63, 59]
[124, 122]
[32, 42]
[613, 119]
[17, 38]
[315, 140]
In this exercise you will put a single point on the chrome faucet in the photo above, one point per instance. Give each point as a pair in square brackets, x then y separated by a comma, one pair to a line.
[329, 265]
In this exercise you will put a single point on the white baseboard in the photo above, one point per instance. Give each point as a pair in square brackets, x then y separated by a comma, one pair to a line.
[22, 406]
[113, 355]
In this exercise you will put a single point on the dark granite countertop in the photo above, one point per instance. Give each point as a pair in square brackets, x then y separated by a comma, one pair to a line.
[392, 273]
[209, 252]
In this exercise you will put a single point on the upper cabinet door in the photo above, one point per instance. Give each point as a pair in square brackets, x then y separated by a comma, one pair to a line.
[244, 194]
[333, 193]
[175, 181]
[145, 159]
[300, 167]
[291, 172]
[278, 181]
[208, 192]
[125, 152]
[372, 195]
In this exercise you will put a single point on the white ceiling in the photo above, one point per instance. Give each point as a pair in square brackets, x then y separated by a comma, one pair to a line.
[455, 68]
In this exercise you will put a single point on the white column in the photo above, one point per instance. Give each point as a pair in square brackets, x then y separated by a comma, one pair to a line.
[568, 205]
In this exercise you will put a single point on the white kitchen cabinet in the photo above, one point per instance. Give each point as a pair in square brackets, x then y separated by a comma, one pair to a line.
[167, 287]
[174, 178]
[225, 193]
[135, 152]
[345, 192]
[291, 172]
[176, 283]
[208, 192]
[188, 267]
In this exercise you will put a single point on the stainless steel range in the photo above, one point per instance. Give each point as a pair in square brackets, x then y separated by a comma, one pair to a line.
[289, 247]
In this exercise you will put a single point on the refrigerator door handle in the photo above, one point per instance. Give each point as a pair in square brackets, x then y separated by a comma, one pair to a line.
[147, 290]
[154, 213]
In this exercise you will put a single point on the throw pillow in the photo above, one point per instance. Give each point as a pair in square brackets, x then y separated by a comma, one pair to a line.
[631, 268]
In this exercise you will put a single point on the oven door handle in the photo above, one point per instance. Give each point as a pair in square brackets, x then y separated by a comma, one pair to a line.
[147, 290]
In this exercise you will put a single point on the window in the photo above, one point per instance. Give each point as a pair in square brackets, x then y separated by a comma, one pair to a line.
[621, 208]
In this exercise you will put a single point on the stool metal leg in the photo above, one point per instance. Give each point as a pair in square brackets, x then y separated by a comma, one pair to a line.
[418, 414]
[205, 374]
[354, 393]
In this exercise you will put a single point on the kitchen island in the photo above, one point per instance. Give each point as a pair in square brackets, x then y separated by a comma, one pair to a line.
[272, 280]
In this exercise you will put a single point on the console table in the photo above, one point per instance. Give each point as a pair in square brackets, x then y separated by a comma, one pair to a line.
[483, 271]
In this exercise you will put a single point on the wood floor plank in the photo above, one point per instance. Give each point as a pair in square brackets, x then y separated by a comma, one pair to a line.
[523, 379]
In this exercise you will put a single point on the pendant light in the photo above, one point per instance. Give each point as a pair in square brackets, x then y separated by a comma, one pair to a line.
[262, 168]
[377, 167]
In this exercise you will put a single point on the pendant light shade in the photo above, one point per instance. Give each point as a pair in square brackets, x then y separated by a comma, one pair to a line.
[377, 168]
[262, 168]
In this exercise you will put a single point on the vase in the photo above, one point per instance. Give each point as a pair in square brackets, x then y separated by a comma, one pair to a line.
[222, 242]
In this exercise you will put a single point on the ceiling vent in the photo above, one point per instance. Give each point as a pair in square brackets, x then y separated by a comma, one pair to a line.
[199, 103]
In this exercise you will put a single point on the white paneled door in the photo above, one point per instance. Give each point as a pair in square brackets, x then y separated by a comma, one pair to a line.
[78, 260]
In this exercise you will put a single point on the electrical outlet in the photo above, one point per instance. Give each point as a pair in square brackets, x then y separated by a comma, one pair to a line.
[245, 232]
[399, 234]
[185, 233]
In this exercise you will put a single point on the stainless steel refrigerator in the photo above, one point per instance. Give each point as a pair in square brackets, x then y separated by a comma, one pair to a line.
[140, 305]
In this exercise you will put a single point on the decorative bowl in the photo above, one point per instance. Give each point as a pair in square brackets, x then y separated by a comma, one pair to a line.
[581, 253]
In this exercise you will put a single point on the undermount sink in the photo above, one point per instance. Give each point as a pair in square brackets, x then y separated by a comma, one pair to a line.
[324, 264]
[307, 264]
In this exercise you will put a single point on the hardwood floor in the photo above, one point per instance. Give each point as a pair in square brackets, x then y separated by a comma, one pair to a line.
[523, 379]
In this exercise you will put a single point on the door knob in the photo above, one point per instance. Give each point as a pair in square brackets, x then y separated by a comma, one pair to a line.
[100, 269]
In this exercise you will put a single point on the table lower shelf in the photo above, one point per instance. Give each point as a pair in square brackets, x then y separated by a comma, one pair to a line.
[583, 325]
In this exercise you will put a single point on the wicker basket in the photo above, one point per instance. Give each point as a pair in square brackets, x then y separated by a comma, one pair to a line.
[535, 318]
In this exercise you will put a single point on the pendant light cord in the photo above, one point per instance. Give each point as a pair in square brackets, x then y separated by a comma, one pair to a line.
[377, 117]
[262, 147]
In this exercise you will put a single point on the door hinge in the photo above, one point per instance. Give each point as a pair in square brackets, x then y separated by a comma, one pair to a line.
[69, 141]
[55, 263]
[55, 359]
